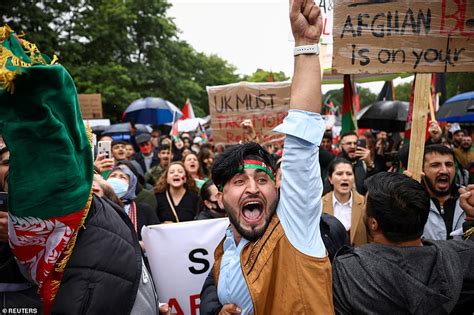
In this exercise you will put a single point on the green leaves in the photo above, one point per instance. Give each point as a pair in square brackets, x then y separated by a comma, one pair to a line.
[123, 49]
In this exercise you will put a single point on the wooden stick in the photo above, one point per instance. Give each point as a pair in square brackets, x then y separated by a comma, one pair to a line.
[418, 127]
[432, 110]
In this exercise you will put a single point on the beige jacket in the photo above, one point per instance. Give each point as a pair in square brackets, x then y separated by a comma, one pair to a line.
[281, 279]
[358, 233]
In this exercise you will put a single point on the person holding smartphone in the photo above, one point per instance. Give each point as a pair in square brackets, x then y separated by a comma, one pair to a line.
[354, 150]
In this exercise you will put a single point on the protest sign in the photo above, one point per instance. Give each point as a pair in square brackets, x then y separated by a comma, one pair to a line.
[91, 105]
[403, 36]
[265, 104]
[327, 10]
[181, 256]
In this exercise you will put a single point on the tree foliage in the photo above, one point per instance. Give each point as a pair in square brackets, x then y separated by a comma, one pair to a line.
[366, 97]
[266, 76]
[403, 91]
[122, 49]
[460, 82]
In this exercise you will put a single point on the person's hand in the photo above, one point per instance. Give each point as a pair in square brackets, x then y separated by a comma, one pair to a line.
[3, 226]
[306, 22]
[434, 130]
[466, 200]
[364, 155]
[249, 130]
[103, 164]
[165, 309]
[229, 309]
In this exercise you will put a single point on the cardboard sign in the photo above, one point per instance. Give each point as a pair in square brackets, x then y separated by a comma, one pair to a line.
[91, 105]
[181, 255]
[265, 104]
[387, 36]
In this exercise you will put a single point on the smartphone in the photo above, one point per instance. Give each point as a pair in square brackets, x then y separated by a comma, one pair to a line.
[105, 147]
[361, 143]
[4, 201]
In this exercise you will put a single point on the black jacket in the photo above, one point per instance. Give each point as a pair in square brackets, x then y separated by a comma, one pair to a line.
[104, 271]
[141, 160]
[436, 278]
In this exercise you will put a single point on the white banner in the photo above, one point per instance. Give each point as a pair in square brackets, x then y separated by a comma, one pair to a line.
[181, 256]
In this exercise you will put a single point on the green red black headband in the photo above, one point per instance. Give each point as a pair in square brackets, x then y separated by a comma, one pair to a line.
[253, 164]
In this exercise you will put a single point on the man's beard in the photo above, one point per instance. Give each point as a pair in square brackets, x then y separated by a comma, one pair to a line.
[255, 233]
[346, 156]
[465, 148]
[438, 193]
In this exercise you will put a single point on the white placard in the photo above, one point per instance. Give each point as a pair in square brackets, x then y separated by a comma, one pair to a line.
[181, 256]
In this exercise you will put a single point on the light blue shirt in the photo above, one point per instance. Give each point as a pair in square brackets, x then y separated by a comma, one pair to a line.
[299, 208]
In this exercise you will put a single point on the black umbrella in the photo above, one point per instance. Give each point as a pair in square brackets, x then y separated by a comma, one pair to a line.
[388, 116]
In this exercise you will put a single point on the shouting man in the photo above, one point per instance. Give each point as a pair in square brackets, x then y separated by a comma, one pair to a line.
[446, 213]
[273, 260]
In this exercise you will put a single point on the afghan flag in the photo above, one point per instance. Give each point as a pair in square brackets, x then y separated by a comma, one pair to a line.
[348, 119]
[201, 132]
[51, 165]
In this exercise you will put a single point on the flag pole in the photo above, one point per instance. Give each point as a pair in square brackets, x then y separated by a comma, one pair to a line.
[171, 133]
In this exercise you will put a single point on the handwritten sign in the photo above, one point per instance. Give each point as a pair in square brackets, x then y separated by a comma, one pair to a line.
[388, 36]
[327, 10]
[91, 105]
[265, 104]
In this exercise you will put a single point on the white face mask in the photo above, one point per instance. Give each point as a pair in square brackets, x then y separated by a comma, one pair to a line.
[119, 186]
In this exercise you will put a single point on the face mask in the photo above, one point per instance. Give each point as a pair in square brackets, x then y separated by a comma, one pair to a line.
[119, 186]
[146, 148]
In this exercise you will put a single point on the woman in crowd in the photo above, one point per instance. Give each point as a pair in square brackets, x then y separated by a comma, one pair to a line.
[143, 191]
[177, 149]
[193, 167]
[209, 208]
[206, 160]
[124, 182]
[344, 202]
[176, 195]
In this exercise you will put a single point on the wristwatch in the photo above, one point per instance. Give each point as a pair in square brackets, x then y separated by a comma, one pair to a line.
[306, 50]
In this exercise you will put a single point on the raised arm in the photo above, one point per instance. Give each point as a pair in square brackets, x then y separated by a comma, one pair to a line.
[306, 25]
[299, 208]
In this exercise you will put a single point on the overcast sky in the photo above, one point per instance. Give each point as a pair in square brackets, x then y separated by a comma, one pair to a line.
[250, 34]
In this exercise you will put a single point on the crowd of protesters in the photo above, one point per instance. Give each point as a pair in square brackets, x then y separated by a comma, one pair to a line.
[181, 166]
[179, 172]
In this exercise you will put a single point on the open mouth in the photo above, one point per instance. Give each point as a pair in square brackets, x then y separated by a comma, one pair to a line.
[252, 211]
[442, 181]
[345, 185]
